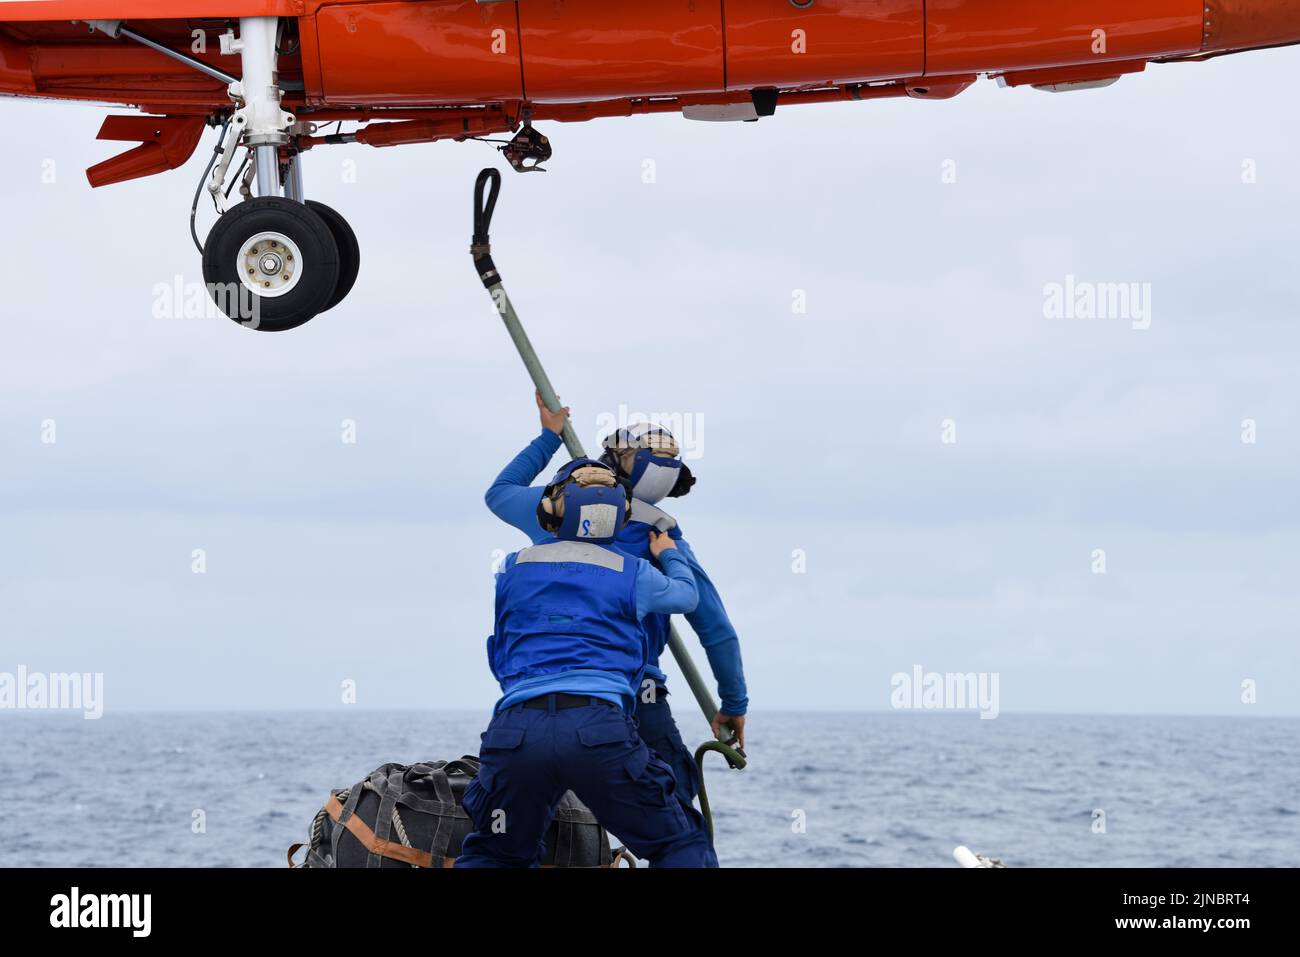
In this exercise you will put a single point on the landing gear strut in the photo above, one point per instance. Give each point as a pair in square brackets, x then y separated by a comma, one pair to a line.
[274, 261]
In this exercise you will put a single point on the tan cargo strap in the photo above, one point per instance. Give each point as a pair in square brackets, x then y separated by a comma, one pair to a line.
[622, 854]
[377, 845]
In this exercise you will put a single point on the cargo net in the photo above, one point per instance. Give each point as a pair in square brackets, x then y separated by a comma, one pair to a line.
[413, 816]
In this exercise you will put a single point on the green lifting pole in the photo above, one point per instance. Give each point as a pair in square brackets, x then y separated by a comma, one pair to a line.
[481, 249]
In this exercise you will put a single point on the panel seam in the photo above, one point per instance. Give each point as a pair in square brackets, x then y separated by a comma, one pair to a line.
[722, 14]
[925, 38]
[519, 38]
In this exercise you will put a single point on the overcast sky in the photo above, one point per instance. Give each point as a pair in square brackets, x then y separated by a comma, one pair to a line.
[820, 430]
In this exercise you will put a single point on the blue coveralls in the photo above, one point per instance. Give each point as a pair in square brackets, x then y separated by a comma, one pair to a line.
[513, 500]
[568, 622]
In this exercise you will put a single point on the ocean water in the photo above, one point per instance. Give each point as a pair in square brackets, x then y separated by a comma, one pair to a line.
[852, 789]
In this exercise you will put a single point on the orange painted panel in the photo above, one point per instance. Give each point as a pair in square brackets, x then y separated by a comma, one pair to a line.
[1235, 24]
[773, 43]
[971, 36]
[16, 11]
[15, 67]
[593, 49]
[425, 53]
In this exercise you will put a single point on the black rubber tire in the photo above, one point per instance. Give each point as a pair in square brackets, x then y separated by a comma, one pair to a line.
[308, 231]
[349, 250]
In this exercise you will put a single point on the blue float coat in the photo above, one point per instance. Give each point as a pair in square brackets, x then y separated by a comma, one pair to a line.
[573, 625]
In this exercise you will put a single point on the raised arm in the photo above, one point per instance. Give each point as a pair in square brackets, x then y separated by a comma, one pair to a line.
[511, 497]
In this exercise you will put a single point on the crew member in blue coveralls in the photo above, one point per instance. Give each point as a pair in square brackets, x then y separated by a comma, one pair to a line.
[646, 457]
[569, 652]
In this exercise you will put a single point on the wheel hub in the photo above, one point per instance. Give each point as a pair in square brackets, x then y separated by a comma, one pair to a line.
[270, 264]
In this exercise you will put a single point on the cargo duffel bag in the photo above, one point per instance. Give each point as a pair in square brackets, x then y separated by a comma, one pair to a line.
[411, 816]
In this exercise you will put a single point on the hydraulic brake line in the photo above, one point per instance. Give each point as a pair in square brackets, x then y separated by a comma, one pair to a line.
[194, 206]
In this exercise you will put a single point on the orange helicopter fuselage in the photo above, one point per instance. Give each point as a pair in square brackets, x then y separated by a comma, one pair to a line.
[422, 53]
[438, 69]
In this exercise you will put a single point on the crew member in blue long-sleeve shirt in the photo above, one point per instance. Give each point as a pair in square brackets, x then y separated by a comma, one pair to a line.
[645, 456]
[569, 651]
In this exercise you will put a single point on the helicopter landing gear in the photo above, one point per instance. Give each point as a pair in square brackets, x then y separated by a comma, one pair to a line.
[275, 261]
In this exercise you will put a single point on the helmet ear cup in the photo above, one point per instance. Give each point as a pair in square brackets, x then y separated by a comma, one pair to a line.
[685, 481]
[546, 517]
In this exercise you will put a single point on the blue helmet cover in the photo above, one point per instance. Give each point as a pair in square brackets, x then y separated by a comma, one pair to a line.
[592, 513]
